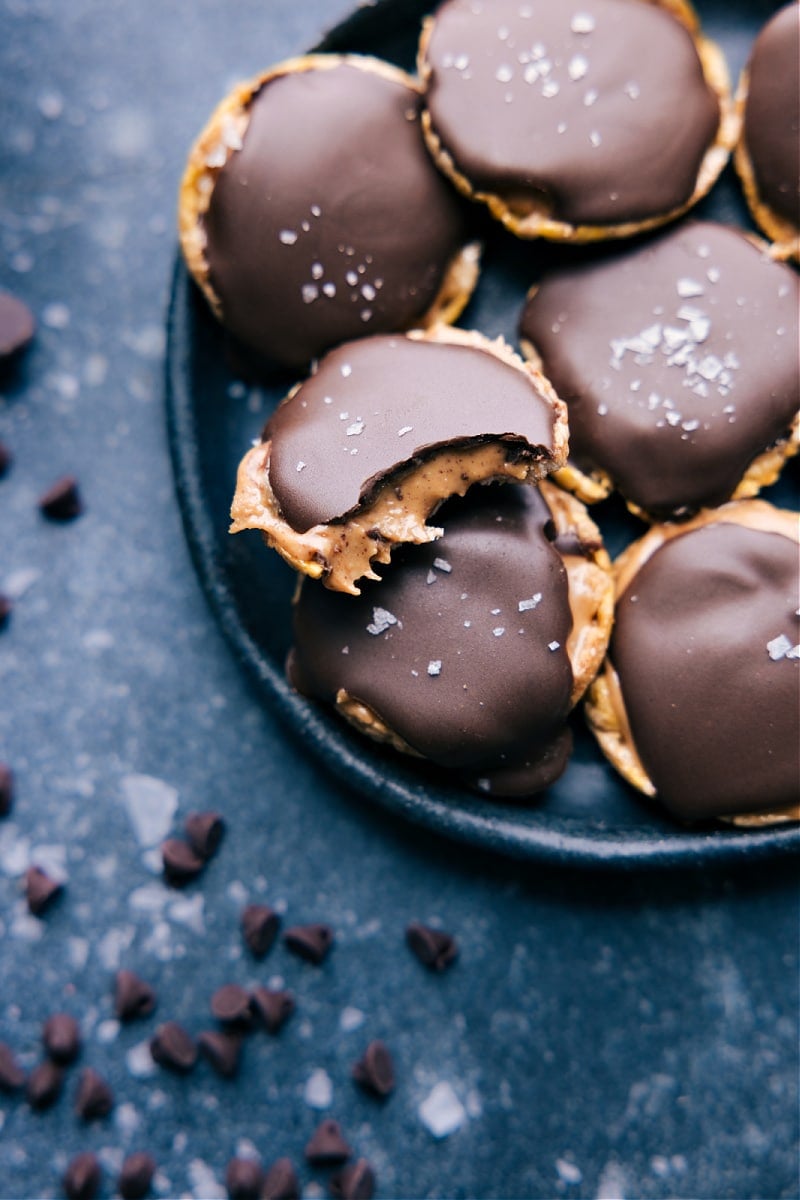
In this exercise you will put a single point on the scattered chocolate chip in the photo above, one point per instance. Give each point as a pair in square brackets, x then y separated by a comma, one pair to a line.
[5, 610]
[133, 998]
[171, 1046]
[135, 1176]
[6, 459]
[6, 789]
[355, 1182]
[40, 890]
[327, 1144]
[280, 1182]
[222, 1051]
[82, 1177]
[17, 325]
[231, 1004]
[94, 1099]
[260, 925]
[433, 947]
[62, 501]
[181, 864]
[243, 1179]
[273, 1008]
[375, 1071]
[12, 1075]
[311, 942]
[44, 1084]
[204, 832]
[61, 1036]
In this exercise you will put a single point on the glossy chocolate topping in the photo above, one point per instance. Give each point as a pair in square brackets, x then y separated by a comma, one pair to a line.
[677, 360]
[379, 403]
[703, 649]
[772, 113]
[461, 648]
[596, 108]
[331, 221]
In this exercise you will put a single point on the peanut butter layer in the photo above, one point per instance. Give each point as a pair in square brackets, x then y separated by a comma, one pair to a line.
[698, 701]
[359, 456]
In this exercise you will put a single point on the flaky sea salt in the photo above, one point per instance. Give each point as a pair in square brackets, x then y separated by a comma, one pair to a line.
[382, 619]
[442, 1113]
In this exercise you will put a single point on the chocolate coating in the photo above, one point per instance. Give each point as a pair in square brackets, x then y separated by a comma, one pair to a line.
[713, 713]
[597, 110]
[461, 648]
[772, 113]
[677, 360]
[331, 221]
[374, 405]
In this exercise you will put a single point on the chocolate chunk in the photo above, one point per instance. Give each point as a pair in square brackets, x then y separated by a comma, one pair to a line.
[82, 1177]
[136, 1175]
[354, 1182]
[6, 458]
[12, 1075]
[17, 325]
[231, 1004]
[243, 1179]
[5, 610]
[375, 1070]
[61, 1035]
[260, 925]
[327, 1144]
[94, 1099]
[272, 1007]
[222, 1050]
[171, 1046]
[311, 942]
[40, 890]
[280, 1182]
[44, 1084]
[181, 864]
[133, 998]
[62, 501]
[433, 947]
[204, 832]
[6, 783]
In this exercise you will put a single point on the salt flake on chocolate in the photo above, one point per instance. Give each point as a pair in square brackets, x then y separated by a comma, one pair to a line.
[382, 619]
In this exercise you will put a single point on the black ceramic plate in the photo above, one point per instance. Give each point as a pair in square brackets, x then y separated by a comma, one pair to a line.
[590, 818]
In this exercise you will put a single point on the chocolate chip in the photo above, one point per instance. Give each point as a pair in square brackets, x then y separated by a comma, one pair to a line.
[171, 1046]
[433, 947]
[280, 1182]
[17, 325]
[375, 1071]
[12, 1075]
[204, 832]
[61, 1035]
[260, 925]
[272, 1007]
[136, 1175]
[356, 1182]
[181, 864]
[6, 459]
[44, 1084]
[62, 500]
[231, 1004]
[243, 1178]
[6, 789]
[94, 1099]
[40, 890]
[5, 610]
[133, 998]
[311, 942]
[82, 1177]
[327, 1144]
[222, 1051]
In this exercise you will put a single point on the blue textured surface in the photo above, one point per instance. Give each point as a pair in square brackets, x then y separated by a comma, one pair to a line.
[606, 1036]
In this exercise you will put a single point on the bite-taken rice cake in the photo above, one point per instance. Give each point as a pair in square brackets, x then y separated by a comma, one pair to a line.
[576, 121]
[678, 364]
[768, 152]
[697, 704]
[311, 213]
[357, 457]
[470, 653]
